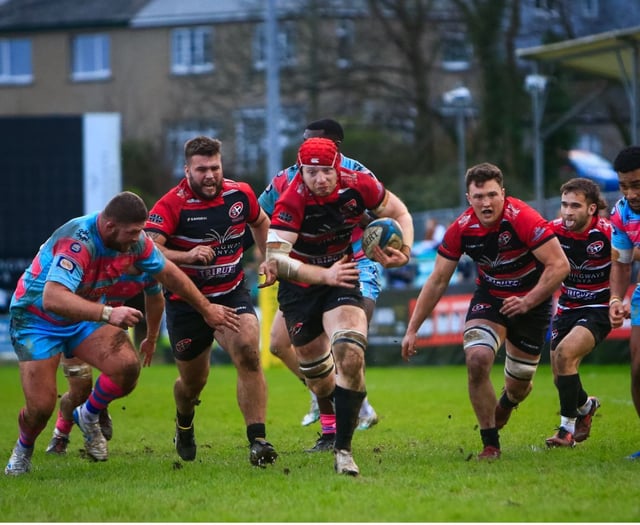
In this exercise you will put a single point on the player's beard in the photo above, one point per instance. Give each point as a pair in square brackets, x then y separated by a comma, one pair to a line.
[575, 224]
[114, 244]
[205, 192]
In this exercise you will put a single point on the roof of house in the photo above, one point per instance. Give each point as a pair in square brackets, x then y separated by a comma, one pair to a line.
[36, 15]
[170, 12]
[31, 15]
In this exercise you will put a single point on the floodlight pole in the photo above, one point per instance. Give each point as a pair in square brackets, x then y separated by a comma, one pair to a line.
[460, 99]
[274, 151]
[536, 85]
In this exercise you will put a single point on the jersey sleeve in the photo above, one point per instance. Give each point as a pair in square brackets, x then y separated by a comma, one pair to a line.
[533, 229]
[372, 190]
[289, 209]
[276, 187]
[70, 261]
[254, 206]
[451, 245]
[620, 240]
[151, 260]
[163, 217]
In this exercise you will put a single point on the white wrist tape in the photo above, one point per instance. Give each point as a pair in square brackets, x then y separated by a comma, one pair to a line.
[278, 250]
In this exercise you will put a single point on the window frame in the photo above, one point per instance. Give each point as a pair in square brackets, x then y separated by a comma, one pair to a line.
[345, 42]
[462, 48]
[10, 62]
[186, 44]
[98, 47]
[177, 134]
[251, 137]
[287, 56]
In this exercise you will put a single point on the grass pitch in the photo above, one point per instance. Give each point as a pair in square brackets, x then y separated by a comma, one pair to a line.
[418, 464]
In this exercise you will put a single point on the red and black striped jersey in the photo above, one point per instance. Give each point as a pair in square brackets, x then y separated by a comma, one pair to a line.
[502, 253]
[589, 254]
[187, 221]
[324, 224]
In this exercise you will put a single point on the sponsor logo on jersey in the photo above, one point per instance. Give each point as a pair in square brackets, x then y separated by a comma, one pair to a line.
[235, 210]
[183, 345]
[349, 208]
[295, 330]
[285, 217]
[503, 239]
[480, 306]
[75, 247]
[66, 264]
[82, 235]
[156, 218]
[538, 232]
[595, 247]
[512, 211]
[194, 219]
[464, 219]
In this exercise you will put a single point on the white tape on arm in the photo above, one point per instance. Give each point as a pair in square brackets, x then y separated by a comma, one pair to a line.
[278, 250]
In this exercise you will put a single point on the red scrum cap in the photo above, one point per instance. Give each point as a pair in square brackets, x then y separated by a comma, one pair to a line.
[319, 152]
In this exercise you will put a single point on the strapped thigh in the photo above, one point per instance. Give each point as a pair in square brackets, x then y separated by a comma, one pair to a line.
[481, 335]
[82, 370]
[520, 368]
[319, 368]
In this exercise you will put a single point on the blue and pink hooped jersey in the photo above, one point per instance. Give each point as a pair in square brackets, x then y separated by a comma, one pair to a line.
[76, 257]
[130, 285]
[625, 225]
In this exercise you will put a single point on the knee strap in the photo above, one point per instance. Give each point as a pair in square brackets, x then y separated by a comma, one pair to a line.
[319, 368]
[349, 337]
[83, 371]
[520, 368]
[481, 335]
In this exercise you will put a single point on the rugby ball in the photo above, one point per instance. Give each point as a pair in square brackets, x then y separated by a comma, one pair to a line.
[381, 232]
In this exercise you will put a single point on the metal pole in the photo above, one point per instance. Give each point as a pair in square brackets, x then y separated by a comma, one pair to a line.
[274, 151]
[537, 158]
[462, 154]
[635, 67]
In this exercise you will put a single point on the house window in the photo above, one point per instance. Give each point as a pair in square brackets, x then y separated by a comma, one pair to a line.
[191, 50]
[180, 133]
[345, 41]
[285, 46]
[590, 8]
[15, 61]
[91, 57]
[455, 53]
[546, 8]
[251, 135]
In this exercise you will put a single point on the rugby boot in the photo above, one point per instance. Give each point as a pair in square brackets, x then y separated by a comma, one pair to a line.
[58, 444]
[313, 415]
[583, 423]
[94, 442]
[262, 453]
[367, 421]
[562, 438]
[324, 443]
[489, 452]
[344, 463]
[185, 442]
[20, 461]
